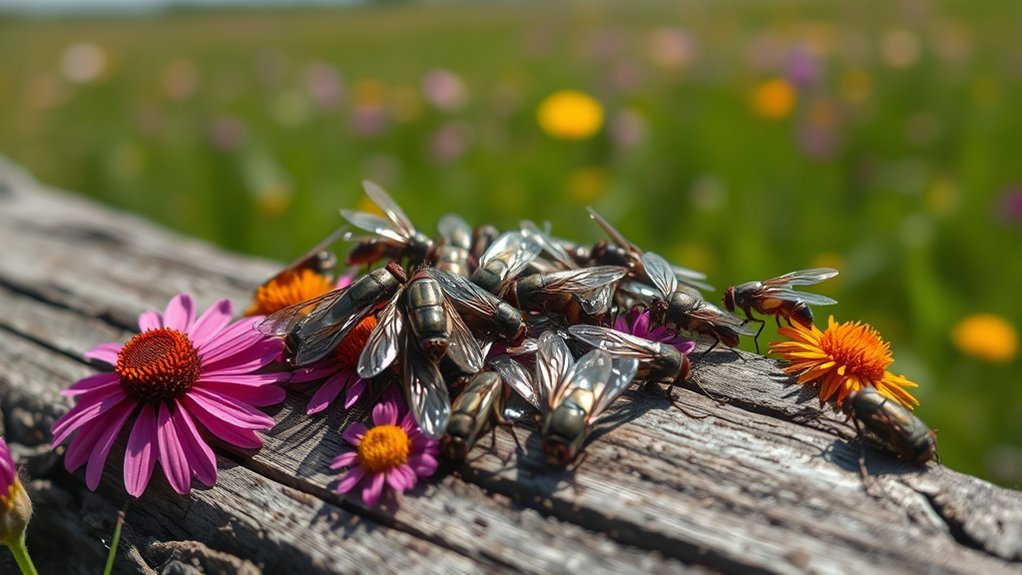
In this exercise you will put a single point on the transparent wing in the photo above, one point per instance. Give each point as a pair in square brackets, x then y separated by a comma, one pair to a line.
[515, 249]
[374, 224]
[590, 373]
[688, 274]
[316, 340]
[426, 392]
[463, 348]
[660, 273]
[596, 302]
[622, 373]
[583, 280]
[549, 246]
[518, 378]
[611, 231]
[280, 322]
[389, 207]
[801, 277]
[384, 342]
[617, 343]
[466, 293]
[792, 295]
[317, 258]
[714, 315]
[553, 362]
[455, 231]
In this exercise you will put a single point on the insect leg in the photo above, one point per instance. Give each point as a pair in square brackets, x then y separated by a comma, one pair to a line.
[862, 455]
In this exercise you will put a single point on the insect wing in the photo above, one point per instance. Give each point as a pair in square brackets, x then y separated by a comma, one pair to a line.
[280, 322]
[583, 280]
[518, 379]
[712, 314]
[389, 207]
[792, 295]
[660, 273]
[455, 231]
[465, 293]
[802, 277]
[316, 259]
[617, 343]
[596, 302]
[426, 391]
[611, 231]
[463, 348]
[621, 375]
[689, 275]
[375, 224]
[553, 363]
[515, 249]
[317, 340]
[384, 342]
[548, 245]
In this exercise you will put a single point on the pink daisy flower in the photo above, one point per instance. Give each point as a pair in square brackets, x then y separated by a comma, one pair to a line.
[182, 379]
[638, 323]
[393, 452]
[8, 475]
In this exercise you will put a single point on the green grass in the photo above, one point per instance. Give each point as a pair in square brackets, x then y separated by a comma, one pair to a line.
[905, 204]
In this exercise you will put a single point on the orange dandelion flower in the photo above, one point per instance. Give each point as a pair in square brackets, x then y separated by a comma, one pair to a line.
[846, 357]
[287, 289]
[986, 336]
[774, 99]
[570, 115]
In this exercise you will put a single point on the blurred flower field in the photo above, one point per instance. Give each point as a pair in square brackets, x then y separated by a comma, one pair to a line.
[745, 141]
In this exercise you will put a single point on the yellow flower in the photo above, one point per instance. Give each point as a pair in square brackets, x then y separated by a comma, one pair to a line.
[773, 99]
[986, 336]
[288, 288]
[846, 357]
[570, 115]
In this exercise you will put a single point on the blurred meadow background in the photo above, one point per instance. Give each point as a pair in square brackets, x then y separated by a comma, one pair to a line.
[743, 138]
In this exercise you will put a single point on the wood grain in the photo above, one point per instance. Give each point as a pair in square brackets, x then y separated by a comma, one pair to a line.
[762, 481]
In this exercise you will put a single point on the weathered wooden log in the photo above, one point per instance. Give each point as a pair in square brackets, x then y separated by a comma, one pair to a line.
[764, 482]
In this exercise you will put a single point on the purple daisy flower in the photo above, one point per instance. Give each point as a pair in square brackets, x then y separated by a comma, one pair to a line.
[393, 452]
[182, 378]
[638, 323]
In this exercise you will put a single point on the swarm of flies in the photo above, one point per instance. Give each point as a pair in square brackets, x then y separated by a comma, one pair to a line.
[471, 321]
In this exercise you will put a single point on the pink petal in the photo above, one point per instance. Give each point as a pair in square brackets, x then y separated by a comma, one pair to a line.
[210, 322]
[105, 352]
[93, 383]
[112, 428]
[246, 379]
[314, 373]
[233, 435]
[149, 320]
[620, 324]
[385, 414]
[235, 337]
[371, 493]
[350, 479]
[354, 433]
[227, 409]
[409, 475]
[327, 392]
[424, 464]
[197, 451]
[258, 396]
[180, 313]
[354, 392]
[344, 460]
[85, 440]
[87, 410]
[172, 456]
[256, 356]
[641, 326]
[396, 480]
[140, 455]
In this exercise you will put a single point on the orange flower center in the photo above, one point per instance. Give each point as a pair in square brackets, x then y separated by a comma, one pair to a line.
[352, 344]
[158, 365]
[384, 447]
[857, 349]
[288, 289]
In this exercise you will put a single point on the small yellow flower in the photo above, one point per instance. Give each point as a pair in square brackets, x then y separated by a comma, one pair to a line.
[986, 336]
[774, 99]
[846, 357]
[570, 115]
